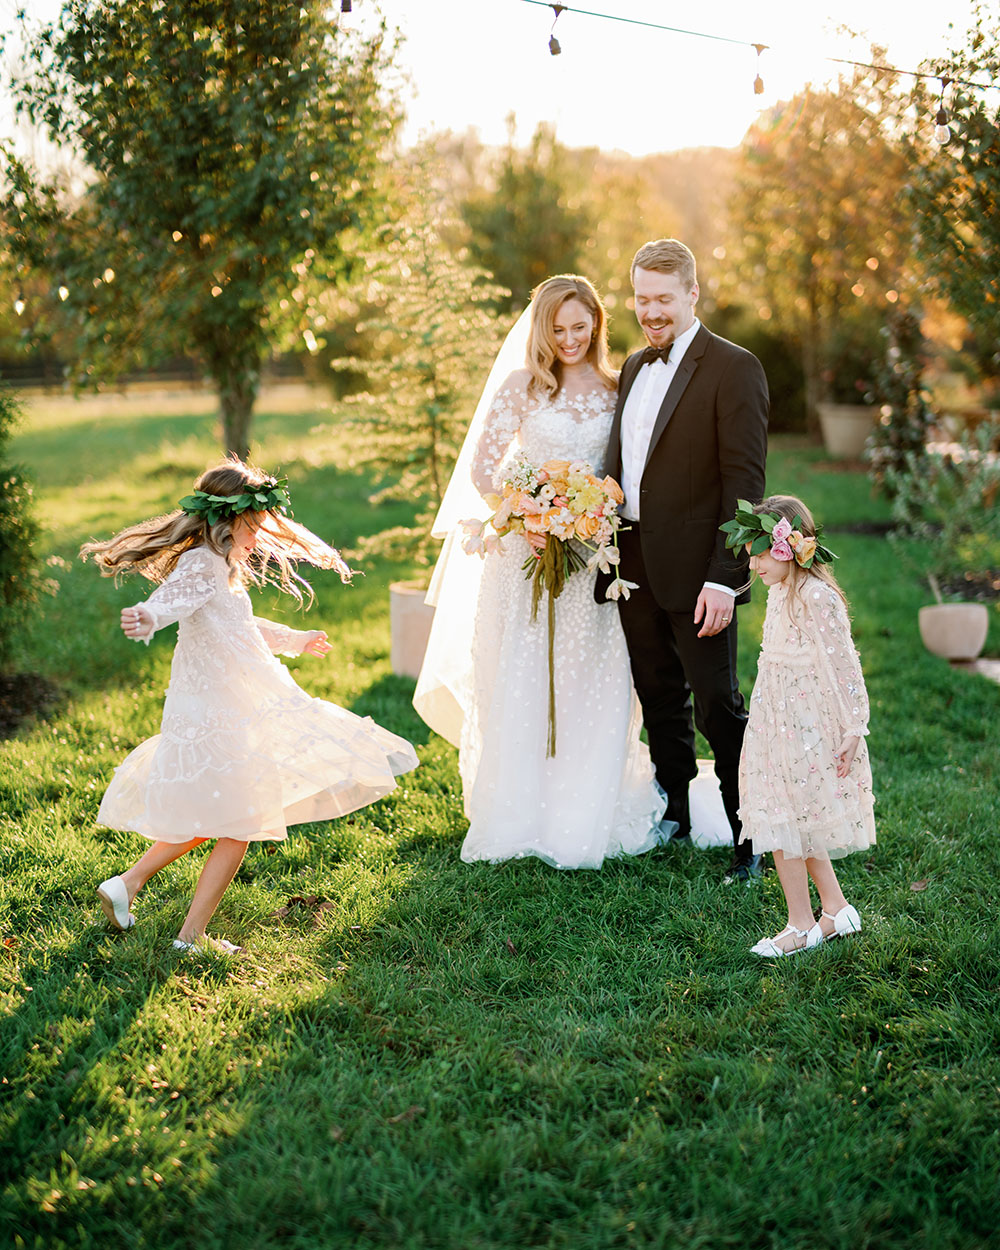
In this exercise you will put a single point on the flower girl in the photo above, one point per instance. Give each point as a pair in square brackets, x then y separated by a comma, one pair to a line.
[805, 779]
[242, 752]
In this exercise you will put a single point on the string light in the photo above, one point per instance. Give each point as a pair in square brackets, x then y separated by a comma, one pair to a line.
[758, 82]
[554, 47]
[19, 304]
[942, 131]
[63, 291]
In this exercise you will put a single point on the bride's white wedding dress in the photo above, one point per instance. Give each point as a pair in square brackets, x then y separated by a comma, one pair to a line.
[596, 797]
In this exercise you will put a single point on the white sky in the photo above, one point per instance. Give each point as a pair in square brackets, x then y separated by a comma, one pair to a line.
[472, 62]
[639, 90]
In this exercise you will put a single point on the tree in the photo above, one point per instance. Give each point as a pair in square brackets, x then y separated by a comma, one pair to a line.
[20, 578]
[956, 186]
[433, 332]
[529, 223]
[826, 229]
[232, 148]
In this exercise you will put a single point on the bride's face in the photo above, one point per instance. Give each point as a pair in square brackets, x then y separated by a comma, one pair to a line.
[572, 331]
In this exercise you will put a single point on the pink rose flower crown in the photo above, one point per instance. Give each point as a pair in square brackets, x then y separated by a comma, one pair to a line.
[784, 538]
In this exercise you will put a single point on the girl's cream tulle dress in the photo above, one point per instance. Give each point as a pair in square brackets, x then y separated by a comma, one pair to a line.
[809, 694]
[242, 751]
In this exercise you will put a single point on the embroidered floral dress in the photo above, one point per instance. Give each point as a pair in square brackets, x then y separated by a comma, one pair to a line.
[243, 751]
[596, 797]
[809, 694]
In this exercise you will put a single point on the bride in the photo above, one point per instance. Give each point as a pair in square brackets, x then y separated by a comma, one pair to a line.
[484, 681]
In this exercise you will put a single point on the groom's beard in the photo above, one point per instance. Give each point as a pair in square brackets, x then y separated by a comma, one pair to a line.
[668, 337]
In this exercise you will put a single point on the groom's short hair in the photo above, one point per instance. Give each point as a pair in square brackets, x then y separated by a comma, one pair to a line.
[666, 256]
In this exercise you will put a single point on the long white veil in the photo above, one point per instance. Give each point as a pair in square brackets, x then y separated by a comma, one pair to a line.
[444, 687]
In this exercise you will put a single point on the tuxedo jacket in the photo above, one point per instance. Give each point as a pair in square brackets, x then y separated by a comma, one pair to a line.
[707, 449]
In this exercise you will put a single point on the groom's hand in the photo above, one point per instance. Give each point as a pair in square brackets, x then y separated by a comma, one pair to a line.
[713, 611]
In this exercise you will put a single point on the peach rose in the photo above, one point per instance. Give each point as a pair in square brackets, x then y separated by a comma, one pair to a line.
[587, 526]
[614, 490]
[556, 468]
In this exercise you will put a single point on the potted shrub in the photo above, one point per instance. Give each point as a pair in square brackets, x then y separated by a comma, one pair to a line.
[847, 409]
[948, 526]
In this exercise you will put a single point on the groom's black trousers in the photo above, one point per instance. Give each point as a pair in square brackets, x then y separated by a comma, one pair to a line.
[672, 668]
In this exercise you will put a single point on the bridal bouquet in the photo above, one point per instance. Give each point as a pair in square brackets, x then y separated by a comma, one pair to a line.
[563, 500]
[566, 502]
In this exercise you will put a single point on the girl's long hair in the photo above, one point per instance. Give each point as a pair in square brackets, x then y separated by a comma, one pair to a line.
[789, 507]
[153, 547]
[543, 363]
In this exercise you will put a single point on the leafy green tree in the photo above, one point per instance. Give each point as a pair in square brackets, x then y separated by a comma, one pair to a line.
[826, 229]
[956, 186]
[430, 323]
[232, 149]
[529, 221]
[20, 580]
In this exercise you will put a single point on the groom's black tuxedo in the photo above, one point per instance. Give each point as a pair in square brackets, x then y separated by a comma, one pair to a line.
[707, 449]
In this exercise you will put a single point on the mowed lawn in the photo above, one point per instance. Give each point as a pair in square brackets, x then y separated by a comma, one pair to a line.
[417, 1053]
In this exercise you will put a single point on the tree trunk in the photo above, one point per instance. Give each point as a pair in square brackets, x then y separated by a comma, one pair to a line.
[237, 382]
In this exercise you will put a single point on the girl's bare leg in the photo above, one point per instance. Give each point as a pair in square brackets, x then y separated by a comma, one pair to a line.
[220, 868]
[830, 894]
[794, 878]
[158, 856]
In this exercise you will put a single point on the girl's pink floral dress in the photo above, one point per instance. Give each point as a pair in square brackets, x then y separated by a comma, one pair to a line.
[809, 694]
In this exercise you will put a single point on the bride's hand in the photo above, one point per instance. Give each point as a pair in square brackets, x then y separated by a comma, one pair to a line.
[537, 541]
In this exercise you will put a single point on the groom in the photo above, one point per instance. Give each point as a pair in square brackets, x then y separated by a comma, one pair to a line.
[689, 438]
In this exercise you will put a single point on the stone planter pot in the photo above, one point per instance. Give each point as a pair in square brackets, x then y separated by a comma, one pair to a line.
[845, 428]
[955, 631]
[410, 626]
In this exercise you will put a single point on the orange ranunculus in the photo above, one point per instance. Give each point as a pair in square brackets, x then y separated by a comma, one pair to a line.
[803, 545]
[614, 490]
[587, 526]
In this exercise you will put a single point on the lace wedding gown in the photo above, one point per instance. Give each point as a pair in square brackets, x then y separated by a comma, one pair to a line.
[596, 797]
[243, 751]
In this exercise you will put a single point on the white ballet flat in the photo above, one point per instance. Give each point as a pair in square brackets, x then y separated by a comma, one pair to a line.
[768, 948]
[113, 894]
[208, 946]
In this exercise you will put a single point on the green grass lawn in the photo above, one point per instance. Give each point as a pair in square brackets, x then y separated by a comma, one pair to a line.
[426, 1054]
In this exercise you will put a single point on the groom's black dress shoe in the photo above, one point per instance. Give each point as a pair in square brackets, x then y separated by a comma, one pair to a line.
[745, 871]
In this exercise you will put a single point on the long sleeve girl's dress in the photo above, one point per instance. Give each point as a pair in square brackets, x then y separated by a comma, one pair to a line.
[596, 798]
[809, 694]
[243, 752]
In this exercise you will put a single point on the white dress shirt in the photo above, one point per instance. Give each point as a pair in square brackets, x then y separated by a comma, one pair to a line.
[639, 415]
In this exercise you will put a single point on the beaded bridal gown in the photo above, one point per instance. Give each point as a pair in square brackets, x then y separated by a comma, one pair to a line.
[596, 797]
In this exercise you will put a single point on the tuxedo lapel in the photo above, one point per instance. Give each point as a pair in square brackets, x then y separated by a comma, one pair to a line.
[685, 372]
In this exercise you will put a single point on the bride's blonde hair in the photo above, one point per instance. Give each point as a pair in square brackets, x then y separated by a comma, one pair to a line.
[153, 547]
[541, 359]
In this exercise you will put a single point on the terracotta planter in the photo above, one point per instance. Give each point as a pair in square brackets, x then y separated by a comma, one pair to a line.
[845, 428]
[410, 625]
[956, 631]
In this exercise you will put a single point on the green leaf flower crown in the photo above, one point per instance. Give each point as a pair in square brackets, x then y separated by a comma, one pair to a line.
[270, 496]
[784, 538]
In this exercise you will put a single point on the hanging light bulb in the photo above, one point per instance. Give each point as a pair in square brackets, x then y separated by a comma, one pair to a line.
[758, 82]
[942, 131]
[63, 291]
[554, 48]
[19, 304]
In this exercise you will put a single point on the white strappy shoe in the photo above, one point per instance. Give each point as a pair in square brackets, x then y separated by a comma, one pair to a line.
[114, 900]
[845, 922]
[768, 948]
[206, 945]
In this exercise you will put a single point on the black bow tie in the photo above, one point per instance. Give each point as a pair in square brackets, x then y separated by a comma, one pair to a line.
[650, 354]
